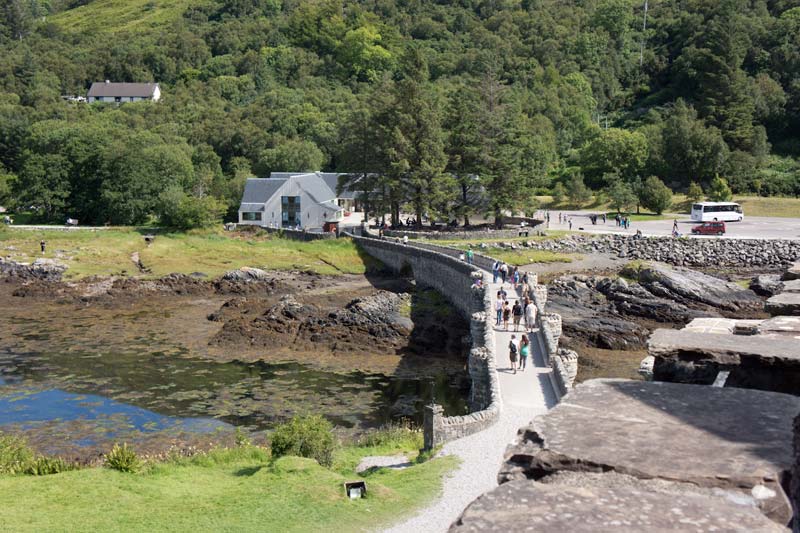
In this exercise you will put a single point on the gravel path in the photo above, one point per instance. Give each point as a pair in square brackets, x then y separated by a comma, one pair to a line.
[524, 396]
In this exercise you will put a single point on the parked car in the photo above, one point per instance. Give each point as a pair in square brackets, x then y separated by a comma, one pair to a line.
[709, 228]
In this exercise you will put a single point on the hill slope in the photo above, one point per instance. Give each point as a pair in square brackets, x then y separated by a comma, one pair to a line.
[525, 93]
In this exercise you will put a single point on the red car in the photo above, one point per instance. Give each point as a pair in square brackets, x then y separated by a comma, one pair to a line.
[709, 228]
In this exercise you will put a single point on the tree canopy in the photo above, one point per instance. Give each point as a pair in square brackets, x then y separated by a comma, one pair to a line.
[442, 108]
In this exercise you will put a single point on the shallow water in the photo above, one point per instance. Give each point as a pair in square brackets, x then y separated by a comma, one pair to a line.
[101, 376]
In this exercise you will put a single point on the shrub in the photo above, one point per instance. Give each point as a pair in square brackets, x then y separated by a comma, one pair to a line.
[397, 434]
[695, 193]
[183, 211]
[15, 455]
[655, 196]
[559, 193]
[621, 196]
[123, 459]
[242, 438]
[44, 466]
[307, 436]
[719, 191]
[577, 191]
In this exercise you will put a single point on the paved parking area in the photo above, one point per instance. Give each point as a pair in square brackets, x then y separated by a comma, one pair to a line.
[749, 228]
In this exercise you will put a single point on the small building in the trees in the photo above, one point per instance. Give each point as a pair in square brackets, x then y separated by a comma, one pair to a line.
[305, 200]
[123, 92]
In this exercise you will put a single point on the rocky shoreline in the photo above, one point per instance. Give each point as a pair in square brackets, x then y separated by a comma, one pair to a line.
[287, 311]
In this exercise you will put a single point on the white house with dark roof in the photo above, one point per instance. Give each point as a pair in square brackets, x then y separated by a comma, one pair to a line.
[290, 199]
[123, 92]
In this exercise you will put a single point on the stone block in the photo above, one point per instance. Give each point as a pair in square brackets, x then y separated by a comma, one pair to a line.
[785, 304]
[793, 272]
[788, 326]
[754, 361]
[736, 440]
[791, 286]
[711, 325]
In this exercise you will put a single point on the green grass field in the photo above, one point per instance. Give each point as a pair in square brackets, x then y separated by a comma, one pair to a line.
[554, 234]
[239, 489]
[527, 257]
[109, 252]
[115, 16]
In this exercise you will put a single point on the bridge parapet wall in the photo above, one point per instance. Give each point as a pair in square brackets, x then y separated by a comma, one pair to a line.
[439, 267]
[454, 280]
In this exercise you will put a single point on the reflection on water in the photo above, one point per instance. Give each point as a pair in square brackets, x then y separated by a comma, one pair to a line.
[28, 409]
[124, 395]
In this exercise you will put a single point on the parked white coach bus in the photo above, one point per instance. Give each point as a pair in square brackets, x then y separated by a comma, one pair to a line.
[721, 211]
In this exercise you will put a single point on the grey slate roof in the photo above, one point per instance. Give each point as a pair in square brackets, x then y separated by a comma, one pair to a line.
[125, 90]
[250, 208]
[316, 187]
[331, 179]
[259, 190]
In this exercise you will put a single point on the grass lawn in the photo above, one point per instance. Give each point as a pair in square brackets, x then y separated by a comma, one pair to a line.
[239, 489]
[526, 257]
[550, 234]
[759, 206]
[108, 252]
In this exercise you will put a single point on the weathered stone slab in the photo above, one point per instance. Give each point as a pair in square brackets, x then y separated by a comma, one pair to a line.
[791, 286]
[711, 325]
[781, 325]
[756, 362]
[785, 303]
[793, 272]
[609, 502]
[732, 439]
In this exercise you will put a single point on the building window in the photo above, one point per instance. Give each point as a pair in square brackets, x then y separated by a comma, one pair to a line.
[290, 211]
[117, 98]
[251, 216]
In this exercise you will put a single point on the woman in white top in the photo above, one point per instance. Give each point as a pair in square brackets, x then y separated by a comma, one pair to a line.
[530, 316]
[498, 308]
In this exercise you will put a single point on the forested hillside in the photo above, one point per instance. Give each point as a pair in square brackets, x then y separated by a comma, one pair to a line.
[530, 95]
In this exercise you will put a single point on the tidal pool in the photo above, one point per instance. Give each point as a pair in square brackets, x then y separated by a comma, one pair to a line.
[75, 386]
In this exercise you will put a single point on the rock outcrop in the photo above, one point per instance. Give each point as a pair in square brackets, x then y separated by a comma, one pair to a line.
[246, 274]
[766, 285]
[366, 324]
[734, 440]
[41, 269]
[601, 311]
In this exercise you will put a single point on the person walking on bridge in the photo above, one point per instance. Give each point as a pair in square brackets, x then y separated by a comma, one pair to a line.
[530, 316]
[524, 350]
[506, 314]
[517, 312]
[498, 307]
[512, 353]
